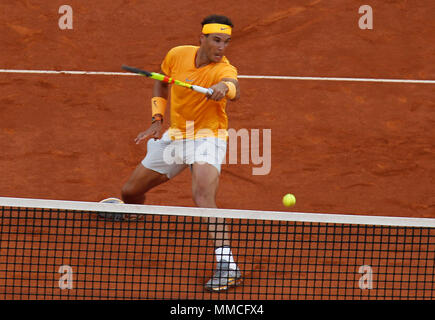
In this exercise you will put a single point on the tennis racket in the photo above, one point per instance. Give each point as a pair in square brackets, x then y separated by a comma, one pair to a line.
[165, 79]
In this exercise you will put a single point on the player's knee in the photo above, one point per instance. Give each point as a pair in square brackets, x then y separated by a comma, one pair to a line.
[129, 194]
[126, 193]
[203, 198]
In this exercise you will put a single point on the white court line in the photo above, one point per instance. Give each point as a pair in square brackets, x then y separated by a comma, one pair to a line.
[240, 76]
[69, 72]
[338, 79]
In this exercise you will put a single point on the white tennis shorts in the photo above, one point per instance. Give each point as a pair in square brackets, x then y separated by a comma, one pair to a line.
[170, 157]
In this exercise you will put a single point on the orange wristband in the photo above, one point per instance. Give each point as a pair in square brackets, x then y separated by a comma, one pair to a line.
[158, 105]
[232, 91]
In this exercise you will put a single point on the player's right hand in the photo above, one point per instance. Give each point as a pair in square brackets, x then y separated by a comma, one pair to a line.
[219, 91]
[155, 131]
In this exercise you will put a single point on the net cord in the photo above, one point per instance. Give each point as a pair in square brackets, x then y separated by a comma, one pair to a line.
[218, 213]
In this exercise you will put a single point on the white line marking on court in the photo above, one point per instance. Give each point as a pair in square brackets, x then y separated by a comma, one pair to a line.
[69, 72]
[240, 76]
[337, 79]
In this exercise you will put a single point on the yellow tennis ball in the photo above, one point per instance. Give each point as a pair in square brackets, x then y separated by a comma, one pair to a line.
[289, 200]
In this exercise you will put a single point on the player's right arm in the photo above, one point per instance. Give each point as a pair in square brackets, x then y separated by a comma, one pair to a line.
[221, 90]
[160, 90]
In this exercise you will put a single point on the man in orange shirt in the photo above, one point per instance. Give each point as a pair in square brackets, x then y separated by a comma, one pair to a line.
[197, 134]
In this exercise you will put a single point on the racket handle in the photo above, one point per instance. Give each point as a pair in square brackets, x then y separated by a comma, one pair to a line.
[202, 90]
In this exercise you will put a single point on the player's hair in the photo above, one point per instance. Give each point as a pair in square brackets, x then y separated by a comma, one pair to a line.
[215, 18]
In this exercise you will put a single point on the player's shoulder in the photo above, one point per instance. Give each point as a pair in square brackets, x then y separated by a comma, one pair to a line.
[177, 57]
[225, 60]
[225, 64]
[183, 50]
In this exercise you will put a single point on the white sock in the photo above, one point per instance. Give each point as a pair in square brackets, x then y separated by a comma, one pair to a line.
[224, 253]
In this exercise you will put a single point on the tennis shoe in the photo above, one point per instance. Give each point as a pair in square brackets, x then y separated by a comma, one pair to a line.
[113, 216]
[224, 277]
[117, 217]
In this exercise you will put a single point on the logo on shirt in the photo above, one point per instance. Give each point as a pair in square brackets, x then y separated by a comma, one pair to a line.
[188, 80]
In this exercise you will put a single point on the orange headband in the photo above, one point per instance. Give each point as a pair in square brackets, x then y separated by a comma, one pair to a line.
[216, 28]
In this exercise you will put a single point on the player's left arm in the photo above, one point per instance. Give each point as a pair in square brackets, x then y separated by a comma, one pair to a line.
[224, 89]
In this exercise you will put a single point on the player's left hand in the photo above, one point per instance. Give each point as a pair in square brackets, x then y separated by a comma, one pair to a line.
[219, 91]
[154, 131]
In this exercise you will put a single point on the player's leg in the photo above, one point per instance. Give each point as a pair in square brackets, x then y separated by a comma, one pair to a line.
[151, 172]
[205, 181]
[133, 192]
[140, 182]
[209, 154]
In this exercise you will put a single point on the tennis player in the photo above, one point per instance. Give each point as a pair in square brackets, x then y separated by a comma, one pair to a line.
[197, 135]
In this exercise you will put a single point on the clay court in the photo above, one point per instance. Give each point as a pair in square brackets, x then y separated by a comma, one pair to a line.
[347, 147]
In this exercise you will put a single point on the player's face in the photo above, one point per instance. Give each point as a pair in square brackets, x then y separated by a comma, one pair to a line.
[214, 45]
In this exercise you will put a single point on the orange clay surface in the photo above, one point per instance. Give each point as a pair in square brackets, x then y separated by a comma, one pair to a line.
[339, 147]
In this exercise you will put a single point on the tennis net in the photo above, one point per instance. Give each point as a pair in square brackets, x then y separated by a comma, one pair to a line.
[53, 249]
